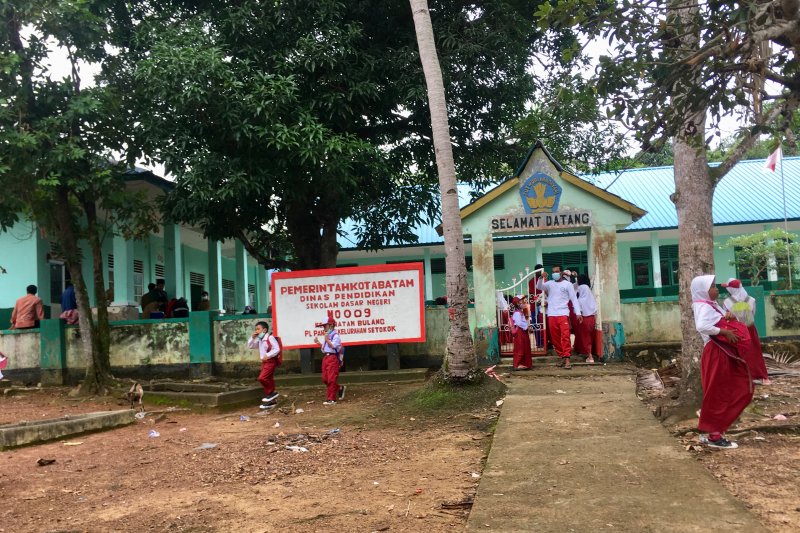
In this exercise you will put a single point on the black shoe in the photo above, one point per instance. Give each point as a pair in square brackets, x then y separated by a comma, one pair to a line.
[340, 394]
[271, 397]
[723, 444]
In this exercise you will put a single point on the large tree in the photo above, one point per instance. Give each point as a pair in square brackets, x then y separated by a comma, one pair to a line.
[678, 68]
[460, 354]
[57, 138]
[281, 120]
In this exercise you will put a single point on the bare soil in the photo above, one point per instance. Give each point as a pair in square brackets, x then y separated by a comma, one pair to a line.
[764, 472]
[385, 469]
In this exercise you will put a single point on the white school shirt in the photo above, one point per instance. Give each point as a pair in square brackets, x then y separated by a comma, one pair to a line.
[333, 337]
[559, 294]
[519, 320]
[261, 344]
[587, 300]
[745, 310]
[706, 315]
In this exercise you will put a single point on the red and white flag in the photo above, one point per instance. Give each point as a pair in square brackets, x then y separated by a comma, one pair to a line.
[772, 160]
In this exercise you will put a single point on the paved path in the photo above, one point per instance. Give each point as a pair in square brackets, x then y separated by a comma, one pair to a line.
[593, 458]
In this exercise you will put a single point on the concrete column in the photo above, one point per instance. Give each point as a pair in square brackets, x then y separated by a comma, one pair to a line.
[52, 351]
[41, 277]
[483, 278]
[603, 240]
[123, 272]
[215, 274]
[537, 252]
[428, 274]
[201, 343]
[655, 253]
[262, 290]
[393, 356]
[241, 277]
[173, 261]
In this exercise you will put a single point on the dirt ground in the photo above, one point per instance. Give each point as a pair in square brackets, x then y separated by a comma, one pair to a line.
[764, 472]
[383, 470]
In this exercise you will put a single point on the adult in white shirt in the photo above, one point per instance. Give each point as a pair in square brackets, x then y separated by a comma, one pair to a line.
[723, 373]
[585, 331]
[559, 294]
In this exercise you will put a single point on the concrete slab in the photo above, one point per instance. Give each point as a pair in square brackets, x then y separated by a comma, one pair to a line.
[30, 432]
[593, 458]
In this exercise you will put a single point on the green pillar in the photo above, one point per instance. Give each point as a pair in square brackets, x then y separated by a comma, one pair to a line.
[41, 277]
[428, 274]
[215, 274]
[123, 271]
[52, 352]
[173, 261]
[262, 290]
[242, 296]
[201, 342]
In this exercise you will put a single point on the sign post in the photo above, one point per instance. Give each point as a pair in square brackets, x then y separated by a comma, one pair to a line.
[377, 304]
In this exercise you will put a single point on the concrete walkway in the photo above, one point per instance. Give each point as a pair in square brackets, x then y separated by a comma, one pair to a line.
[577, 451]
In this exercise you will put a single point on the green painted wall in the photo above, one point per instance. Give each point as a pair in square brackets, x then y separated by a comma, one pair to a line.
[18, 257]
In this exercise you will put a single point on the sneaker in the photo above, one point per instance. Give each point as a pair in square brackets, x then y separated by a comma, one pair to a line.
[703, 439]
[266, 406]
[329, 402]
[567, 364]
[270, 397]
[723, 444]
[590, 359]
[342, 390]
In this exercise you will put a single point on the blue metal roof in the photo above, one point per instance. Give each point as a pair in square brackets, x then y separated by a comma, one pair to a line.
[746, 194]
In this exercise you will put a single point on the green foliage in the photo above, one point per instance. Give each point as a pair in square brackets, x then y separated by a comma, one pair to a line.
[281, 120]
[787, 309]
[759, 252]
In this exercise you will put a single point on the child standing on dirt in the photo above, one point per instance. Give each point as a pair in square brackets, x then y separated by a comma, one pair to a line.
[268, 350]
[331, 346]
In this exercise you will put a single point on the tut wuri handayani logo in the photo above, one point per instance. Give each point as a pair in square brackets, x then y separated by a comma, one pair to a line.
[540, 194]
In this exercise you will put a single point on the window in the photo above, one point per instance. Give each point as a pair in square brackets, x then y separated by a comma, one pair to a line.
[437, 266]
[229, 295]
[251, 294]
[138, 280]
[669, 265]
[642, 266]
[58, 281]
[196, 278]
[576, 261]
[159, 271]
[111, 274]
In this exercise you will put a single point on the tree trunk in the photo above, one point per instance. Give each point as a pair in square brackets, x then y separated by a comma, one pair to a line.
[693, 198]
[460, 352]
[68, 240]
[101, 364]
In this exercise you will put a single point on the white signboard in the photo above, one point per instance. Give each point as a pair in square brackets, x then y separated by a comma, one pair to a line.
[375, 304]
[541, 221]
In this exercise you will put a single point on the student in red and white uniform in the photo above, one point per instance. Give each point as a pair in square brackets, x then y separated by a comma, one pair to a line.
[584, 331]
[331, 346]
[559, 293]
[743, 306]
[522, 342]
[726, 381]
[268, 350]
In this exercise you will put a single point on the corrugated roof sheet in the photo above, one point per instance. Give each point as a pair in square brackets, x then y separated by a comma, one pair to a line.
[746, 194]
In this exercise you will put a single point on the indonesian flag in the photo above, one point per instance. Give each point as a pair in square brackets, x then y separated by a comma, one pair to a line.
[772, 160]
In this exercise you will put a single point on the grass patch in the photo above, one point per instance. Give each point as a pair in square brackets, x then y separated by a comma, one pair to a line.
[439, 397]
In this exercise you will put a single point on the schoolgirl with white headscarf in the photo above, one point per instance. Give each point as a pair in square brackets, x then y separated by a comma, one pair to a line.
[743, 307]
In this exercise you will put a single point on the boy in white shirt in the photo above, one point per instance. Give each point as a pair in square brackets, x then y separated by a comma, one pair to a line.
[268, 350]
[559, 294]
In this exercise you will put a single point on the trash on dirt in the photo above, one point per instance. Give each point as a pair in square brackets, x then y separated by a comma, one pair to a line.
[182, 430]
[475, 475]
[559, 391]
[375, 483]
[334, 431]
[418, 491]
[301, 449]
[412, 418]
[765, 396]
[244, 418]
[45, 462]
[492, 373]
[140, 415]
[309, 403]
[298, 411]
[277, 425]
[498, 403]
[154, 434]
[759, 438]
[207, 446]
[563, 462]
[73, 443]
[779, 417]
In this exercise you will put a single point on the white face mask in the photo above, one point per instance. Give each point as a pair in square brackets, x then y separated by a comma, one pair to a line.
[204, 298]
[556, 276]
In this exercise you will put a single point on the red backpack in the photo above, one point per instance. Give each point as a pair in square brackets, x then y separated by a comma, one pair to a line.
[280, 348]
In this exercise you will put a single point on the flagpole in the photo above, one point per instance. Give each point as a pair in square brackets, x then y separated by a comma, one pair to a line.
[785, 219]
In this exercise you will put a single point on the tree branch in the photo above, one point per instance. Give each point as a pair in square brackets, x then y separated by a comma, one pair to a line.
[255, 253]
[750, 137]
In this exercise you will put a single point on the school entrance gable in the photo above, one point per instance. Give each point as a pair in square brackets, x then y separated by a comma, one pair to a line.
[543, 199]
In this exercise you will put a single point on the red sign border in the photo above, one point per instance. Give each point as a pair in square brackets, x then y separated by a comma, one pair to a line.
[366, 269]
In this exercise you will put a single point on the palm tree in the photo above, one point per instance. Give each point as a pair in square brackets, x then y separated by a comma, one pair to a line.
[460, 352]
